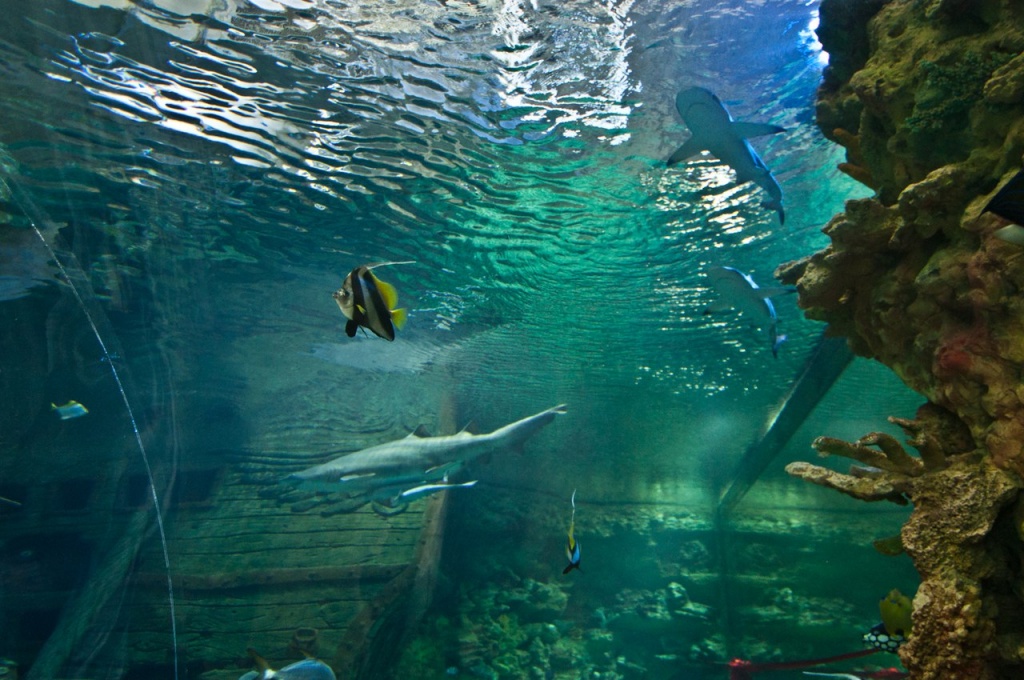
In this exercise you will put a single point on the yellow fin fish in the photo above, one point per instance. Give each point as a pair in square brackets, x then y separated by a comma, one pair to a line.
[896, 611]
[70, 410]
[369, 302]
[572, 547]
[889, 636]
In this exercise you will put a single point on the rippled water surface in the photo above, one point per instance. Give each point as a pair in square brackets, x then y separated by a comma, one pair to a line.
[515, 152]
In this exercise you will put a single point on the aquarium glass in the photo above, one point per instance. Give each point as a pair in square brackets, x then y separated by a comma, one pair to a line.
[184, 186]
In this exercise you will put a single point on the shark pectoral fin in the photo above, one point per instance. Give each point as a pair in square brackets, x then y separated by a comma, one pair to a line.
[691, 148]
[715, 307]
[747, 130]
[772, 291]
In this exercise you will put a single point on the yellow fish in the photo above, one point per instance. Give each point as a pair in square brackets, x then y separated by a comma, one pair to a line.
[572, 548]
[369, 302]
[70, 410]
[896, 609]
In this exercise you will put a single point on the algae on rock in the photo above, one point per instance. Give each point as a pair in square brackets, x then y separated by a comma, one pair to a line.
[915, 279]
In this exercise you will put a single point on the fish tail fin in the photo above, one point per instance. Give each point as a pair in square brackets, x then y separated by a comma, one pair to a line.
[776, 205]
[776, 343]
[398, 317]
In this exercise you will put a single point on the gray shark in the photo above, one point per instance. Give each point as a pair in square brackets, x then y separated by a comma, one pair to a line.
[392, 474]
[713, 129]
[738, 291]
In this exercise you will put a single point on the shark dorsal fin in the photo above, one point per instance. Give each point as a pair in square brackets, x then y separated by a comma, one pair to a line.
[420, 431]
[470, 428]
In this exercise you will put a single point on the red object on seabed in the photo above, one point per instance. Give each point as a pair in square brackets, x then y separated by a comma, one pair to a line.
[742, 669]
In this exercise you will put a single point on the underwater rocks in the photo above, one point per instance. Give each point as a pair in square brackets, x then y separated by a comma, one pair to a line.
[939, 77]
[915, 278]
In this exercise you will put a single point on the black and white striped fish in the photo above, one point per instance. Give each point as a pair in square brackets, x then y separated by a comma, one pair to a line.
[369, 302]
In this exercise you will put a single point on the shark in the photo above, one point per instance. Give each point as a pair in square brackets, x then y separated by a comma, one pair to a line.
[738, 291]
[393, 474]
[712, 129]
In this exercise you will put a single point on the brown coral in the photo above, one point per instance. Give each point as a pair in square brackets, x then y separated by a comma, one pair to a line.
[915, 279]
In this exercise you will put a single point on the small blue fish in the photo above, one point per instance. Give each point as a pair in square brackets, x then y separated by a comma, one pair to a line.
[572, 547]
[307, 669]
[70, 410]
[426, 489]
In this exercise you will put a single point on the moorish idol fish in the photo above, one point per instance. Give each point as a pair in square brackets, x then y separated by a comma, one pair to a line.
[70, 410]
[572, 547]
[1008, 203]
[307, 669]
[712, 129]
[890, 635]
[369, 302]
[738, 291]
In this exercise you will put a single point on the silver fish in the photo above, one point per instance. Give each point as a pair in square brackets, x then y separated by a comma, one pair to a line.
[307, 669]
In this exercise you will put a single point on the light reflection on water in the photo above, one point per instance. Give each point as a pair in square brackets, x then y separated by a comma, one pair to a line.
[510, 150]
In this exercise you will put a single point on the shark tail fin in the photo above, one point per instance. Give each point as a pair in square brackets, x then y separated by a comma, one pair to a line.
[776, 343]
[776, 205]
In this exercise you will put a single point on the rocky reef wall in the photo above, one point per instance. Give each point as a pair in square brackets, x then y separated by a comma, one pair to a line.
[926, 97]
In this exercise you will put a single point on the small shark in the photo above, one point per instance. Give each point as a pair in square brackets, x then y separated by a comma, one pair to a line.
[738, 291]
[393, 474]
[713, 129]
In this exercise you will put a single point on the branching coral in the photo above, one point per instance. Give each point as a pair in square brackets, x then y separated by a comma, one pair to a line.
[958, 498]
[891, 472]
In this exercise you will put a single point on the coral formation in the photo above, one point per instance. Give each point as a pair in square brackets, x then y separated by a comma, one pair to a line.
[914, 278]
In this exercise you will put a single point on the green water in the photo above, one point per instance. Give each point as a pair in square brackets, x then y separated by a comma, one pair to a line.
[207, 173]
